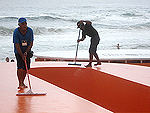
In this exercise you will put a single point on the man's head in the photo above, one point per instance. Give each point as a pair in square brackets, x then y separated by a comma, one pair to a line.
[22, 22]
[80, 24]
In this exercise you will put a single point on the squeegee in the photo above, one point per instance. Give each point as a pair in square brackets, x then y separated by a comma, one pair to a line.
[30, 92]
[76, 53]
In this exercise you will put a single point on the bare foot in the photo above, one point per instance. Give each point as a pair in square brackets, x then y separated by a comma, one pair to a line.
[89, 65]
[99, 63]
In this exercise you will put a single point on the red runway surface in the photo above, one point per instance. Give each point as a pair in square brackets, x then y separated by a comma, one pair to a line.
[56, 100]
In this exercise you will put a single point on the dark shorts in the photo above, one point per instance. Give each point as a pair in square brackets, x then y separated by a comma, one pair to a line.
[20, 62]
[94, 42]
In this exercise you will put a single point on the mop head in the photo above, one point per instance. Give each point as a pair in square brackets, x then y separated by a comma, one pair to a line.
[30, 93]
[74, 64]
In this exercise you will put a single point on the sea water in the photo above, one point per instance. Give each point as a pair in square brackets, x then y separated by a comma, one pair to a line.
[123, 22]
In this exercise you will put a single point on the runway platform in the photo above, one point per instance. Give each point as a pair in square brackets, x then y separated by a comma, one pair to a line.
[110, 56]
[111, 87]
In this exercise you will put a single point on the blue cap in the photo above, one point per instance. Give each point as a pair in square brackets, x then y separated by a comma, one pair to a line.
[22, 20]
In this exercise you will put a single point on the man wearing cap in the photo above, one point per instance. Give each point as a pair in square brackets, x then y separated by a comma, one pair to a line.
[88, 30]
[23, 42]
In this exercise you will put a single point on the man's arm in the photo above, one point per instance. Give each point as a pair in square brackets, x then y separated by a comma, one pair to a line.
[30, 46]
[81, 39]
[88, 22]
[19, 50]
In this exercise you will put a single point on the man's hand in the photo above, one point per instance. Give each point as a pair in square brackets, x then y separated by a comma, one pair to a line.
[25, 54]
[23, 57]
[78, 40]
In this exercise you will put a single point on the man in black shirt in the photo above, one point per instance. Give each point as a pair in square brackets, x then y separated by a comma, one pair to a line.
[88, 30]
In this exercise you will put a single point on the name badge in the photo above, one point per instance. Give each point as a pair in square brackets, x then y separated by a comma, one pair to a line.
[24, 43]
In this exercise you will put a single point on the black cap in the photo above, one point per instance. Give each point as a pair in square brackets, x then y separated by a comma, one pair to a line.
[79, 24]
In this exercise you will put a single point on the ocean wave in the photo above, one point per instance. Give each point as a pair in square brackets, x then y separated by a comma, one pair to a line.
[49, 31]
[40, 18]
[6, 31]
[141, 26]
[49, 18]
[43, 18]
[57, 22]
[8, 17]
[37, 31]
[131, 15]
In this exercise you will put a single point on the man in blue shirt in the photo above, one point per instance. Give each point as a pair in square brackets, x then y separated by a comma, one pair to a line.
[90, 31]
[23, 42]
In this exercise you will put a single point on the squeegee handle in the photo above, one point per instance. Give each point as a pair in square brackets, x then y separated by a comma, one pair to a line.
[77, 47]
[27, 73]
